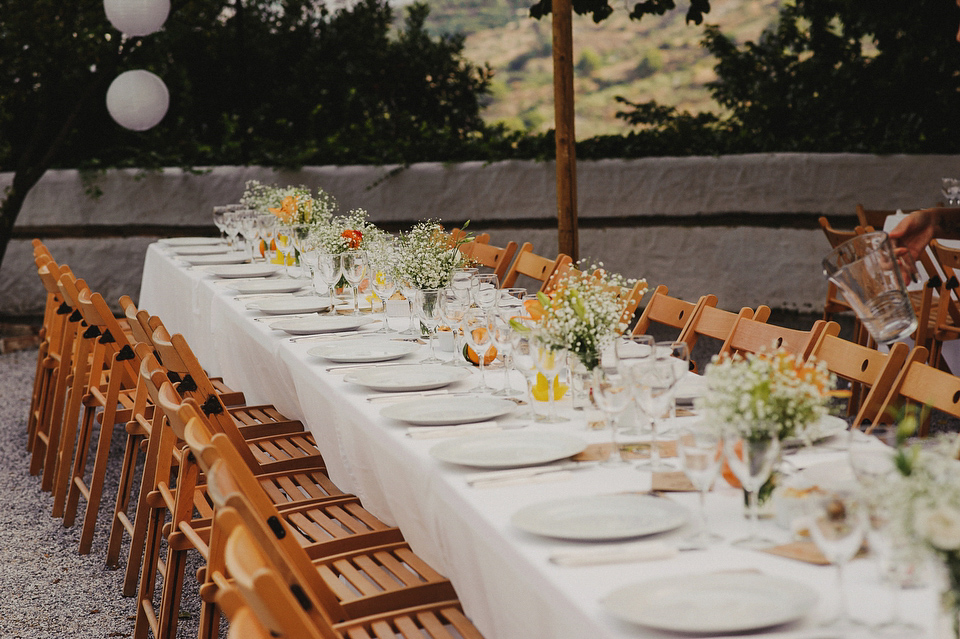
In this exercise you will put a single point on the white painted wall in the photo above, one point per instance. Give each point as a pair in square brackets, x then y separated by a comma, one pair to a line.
[743, 265]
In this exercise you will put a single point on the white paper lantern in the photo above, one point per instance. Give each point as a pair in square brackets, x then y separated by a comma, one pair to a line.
[138, 100]
[137, 17]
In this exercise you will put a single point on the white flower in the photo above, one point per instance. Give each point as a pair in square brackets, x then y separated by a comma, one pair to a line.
[940, 527]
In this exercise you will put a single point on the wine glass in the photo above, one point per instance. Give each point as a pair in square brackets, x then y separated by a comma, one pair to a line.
[502, 342]
[354, 268]
[478, 331]
[461, 281]
[452, 309]
[384, 284]
[250, 232]
[838, 523]
[486, 291]
[300, 235]
[326, 275]
[652, 382]
[218, 214]
[268, 232]
[612, 394]
[550, 361]
[701, 452]
[284, 240]
[751, 458]
[231, 223]
[428, 311]
[524, 359]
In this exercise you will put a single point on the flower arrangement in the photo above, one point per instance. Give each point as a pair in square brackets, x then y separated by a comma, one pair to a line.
[922, 497]
[767, 394]
[584, 314]
[350, 232]
[426, 258]
[292, 204]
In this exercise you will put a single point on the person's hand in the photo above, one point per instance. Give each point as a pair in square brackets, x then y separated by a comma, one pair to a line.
[910, 239]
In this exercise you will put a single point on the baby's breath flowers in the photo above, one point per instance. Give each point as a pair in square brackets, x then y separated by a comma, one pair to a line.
[585, 313]
[766, 394]
[350, 232]
[292, 204]
[426, 258]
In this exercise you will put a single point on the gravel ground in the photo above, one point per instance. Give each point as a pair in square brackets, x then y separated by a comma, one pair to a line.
[49, 589]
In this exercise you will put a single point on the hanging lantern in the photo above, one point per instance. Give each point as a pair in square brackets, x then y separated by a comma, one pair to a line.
[137, 17]
[137, 100]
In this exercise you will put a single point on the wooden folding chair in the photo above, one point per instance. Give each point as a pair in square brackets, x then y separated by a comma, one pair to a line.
[51, 326]
[282, 601]
[945, 324]
[834, 302]
[752, 336]
[369, 571]
[670, 312]
[922, 384]
[862, 365]
[534, 266]
[493, 257]
[716, 324]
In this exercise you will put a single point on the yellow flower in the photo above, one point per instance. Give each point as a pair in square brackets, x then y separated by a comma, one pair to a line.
[540, 389]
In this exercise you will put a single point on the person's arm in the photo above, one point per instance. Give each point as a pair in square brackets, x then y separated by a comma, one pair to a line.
[914, 232]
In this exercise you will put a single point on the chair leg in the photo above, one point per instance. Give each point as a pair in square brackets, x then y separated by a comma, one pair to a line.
[146, 620]
[122, 504]
[171, 593]
[38, 383]
[94, 491]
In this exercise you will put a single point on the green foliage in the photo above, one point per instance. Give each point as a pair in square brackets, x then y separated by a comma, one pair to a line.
[600, 10]
[589, 62]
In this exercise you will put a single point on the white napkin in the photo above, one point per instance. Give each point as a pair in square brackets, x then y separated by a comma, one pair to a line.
[456, 430]
[621, 553]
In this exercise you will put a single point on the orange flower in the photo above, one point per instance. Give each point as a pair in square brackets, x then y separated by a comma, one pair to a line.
[287, 211]
[354, 238]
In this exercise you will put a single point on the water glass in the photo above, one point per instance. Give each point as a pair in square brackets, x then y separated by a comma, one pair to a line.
[218, 214]
[268, 233]
[752, 458]
[486, 291]
[384, 285]
[478, 331]
[250, 231]
[502, 342]
[326, 273]
[428, 311]
[452, 308]
[700, 449]
[612, 394]
[867, 273]
[354, 268]
[837, 524]
[284, 240]
[653, 382]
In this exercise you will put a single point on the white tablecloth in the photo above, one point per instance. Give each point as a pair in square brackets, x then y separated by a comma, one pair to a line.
[502, 575]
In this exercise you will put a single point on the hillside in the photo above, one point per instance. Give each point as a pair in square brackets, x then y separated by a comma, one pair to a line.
[658, 58]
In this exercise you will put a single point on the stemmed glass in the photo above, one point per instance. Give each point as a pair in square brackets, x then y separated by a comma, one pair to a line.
[250, 232]
[550, 361]
[428, 311]
[300, 235]
[285, 246]
[701, 453]
[653, 381]
[524, 359]
[838, 524]
[384, 284]
[751, 458]
[218, 214]
[452, 309]
[486, 291]
[231, 223]
[502, 342]
[612, 394]
[478, 331]
[461, 281]
[354, 267]
[326, 274]
[268, 232]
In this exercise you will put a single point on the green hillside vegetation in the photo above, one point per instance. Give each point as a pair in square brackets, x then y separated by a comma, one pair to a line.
[658, 58]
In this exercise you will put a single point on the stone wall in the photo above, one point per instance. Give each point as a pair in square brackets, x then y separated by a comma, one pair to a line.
[742, 227]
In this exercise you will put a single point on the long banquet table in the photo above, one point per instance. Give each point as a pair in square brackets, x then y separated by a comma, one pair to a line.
[503, 576]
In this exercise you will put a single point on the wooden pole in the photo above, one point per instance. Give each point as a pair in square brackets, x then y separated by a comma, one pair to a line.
[564, 127]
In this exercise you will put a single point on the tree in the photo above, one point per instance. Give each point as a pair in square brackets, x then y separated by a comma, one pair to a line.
[279, 83]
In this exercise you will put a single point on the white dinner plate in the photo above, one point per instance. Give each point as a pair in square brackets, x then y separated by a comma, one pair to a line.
[232, 271]
[320, 324]
[826, 427]
[712, 603]
[289, 305]
[442, 411]
[601, 517]
[364, 350]
[412, 377]
[234, 257]
[254, 287]
[203, 249]
[190, 241]
[508, 450]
